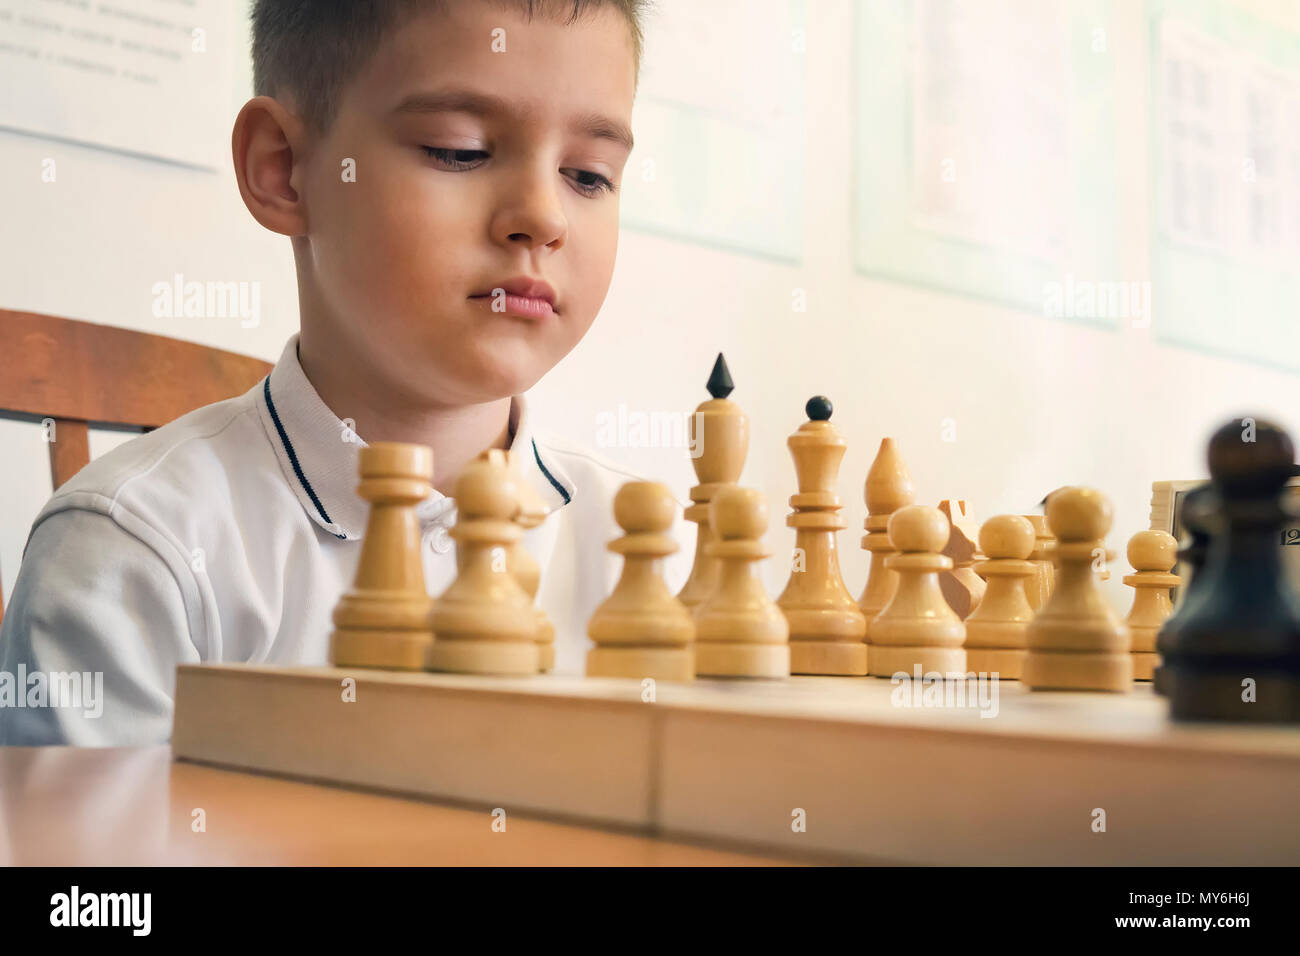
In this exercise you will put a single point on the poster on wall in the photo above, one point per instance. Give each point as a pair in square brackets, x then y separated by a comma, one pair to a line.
[1225, 172]
[985, 153]
[719, 122]
[148, 77]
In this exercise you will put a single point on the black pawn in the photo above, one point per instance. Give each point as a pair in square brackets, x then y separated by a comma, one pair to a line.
[819, 408]
[719, 383]
[1234, 652]
[1196, 513]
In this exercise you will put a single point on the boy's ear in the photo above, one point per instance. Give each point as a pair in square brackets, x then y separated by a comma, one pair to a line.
[268, 148]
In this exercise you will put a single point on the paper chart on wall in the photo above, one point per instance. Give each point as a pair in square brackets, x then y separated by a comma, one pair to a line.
[1226, 183]
[990, 134]
[150, 77]
[719, 126]
[985, 149]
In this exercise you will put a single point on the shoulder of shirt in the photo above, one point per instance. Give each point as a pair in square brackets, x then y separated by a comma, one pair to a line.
[585, 466]
[162, 469]
[159, 489]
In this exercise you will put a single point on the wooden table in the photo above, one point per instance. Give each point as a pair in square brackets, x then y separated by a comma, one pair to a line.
[132, 806]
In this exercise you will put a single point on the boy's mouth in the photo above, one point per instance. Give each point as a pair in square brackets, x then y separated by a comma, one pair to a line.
[523, 296]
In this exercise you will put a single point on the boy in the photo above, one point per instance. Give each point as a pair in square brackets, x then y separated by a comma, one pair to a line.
[447, 172]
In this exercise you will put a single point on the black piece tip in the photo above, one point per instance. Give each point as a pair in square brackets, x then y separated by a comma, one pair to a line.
[819, 408]
[720, 384]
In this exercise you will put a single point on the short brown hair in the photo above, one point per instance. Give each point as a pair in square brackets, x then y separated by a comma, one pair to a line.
[312, 48]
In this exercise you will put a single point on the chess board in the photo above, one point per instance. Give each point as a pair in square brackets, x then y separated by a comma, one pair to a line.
[833, 767]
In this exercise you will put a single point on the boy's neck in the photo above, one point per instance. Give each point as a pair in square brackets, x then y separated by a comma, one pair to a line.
[456, 434]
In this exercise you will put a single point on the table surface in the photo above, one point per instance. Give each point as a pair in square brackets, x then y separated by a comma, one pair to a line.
[134, 806]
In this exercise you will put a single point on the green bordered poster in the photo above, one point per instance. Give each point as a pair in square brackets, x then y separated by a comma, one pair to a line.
[1225, 182]
[985, 153]
[720, 126]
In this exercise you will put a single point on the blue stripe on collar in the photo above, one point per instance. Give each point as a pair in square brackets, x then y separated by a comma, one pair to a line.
[549, 477]
[293, 458]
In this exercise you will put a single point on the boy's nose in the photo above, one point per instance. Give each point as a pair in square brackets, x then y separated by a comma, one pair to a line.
[533, 218]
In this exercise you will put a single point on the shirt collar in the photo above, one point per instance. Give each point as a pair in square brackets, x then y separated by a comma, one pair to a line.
[318, 453]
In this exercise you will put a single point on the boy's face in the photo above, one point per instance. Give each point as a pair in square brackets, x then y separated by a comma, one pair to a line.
[473, 168]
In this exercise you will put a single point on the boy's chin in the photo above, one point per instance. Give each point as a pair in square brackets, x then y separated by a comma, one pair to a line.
[489, 381]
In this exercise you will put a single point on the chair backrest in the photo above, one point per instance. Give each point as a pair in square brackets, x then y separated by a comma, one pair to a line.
[79, 374]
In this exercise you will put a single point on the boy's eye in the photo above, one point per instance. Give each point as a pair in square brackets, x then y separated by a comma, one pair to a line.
[589, 183]
[456, 158]
[586, 182]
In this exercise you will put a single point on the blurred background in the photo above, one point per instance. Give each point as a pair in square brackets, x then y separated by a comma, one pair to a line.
[1039, 242]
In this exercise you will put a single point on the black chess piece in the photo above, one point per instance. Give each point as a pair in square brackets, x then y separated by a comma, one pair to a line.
[1196, 514]
[1234, 651]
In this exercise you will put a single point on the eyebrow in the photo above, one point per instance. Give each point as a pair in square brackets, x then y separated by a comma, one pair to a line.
[475, 103]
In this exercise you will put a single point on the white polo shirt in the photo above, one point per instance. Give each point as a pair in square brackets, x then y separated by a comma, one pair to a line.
[230, 534]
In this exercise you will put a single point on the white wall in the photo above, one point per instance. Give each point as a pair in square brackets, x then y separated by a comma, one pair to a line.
[1038, 403]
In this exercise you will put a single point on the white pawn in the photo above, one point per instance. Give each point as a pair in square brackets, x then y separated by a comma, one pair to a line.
[1153, 555]
[917, 628]
[995, 631]
[642, 630]
[484, 623]
[740, 631]
[1076, 642]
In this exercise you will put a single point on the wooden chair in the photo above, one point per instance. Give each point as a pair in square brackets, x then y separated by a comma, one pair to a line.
[80, 374]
